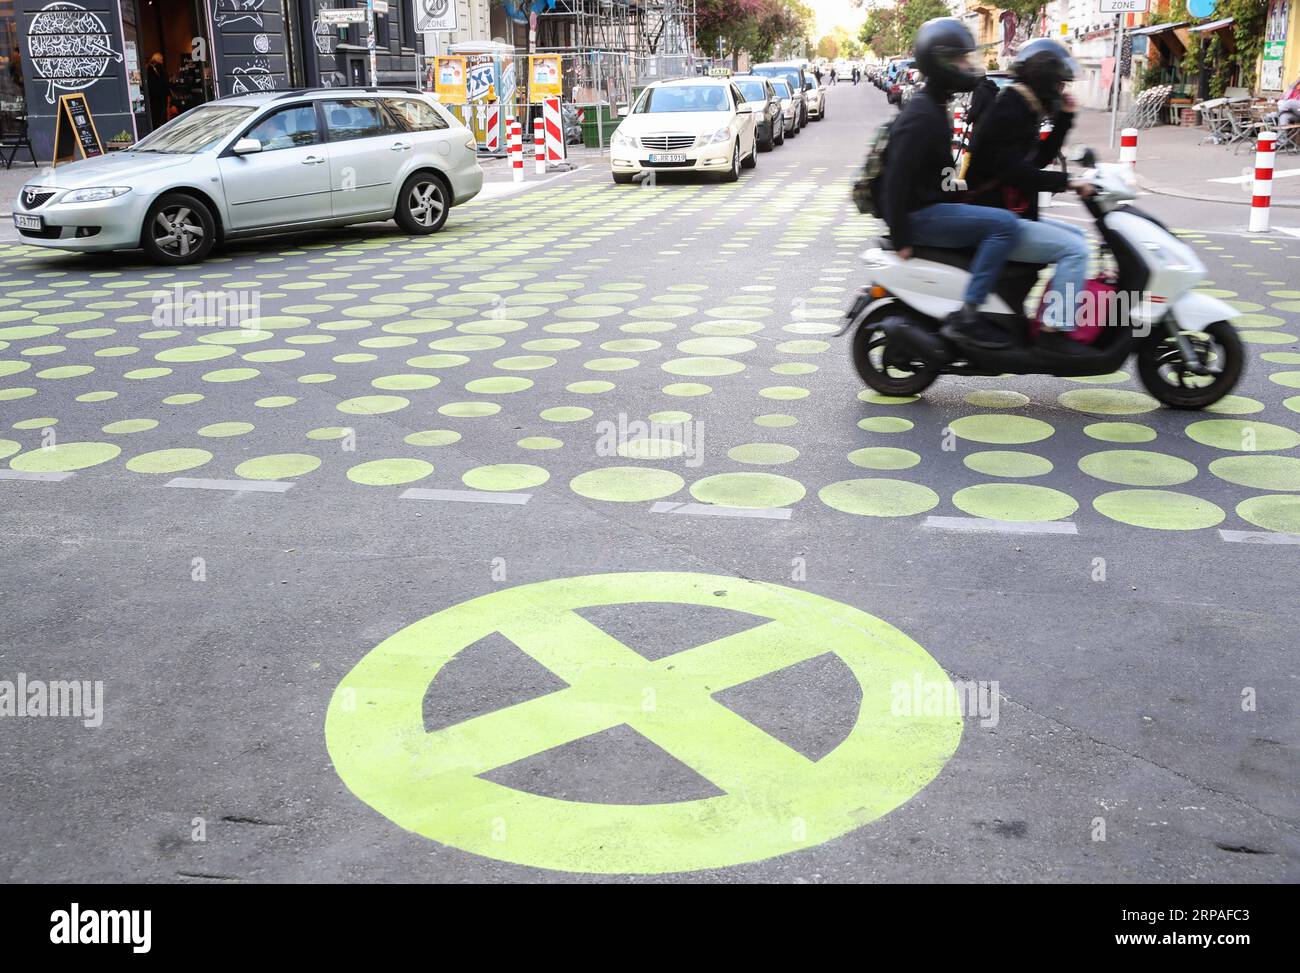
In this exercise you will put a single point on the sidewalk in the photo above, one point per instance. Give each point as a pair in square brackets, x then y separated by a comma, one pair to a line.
[1174, 161]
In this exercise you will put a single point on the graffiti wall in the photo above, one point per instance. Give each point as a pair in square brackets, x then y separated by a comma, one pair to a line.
[248, 46]
[71, 47]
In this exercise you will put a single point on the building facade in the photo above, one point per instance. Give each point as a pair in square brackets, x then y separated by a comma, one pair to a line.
[139, 62]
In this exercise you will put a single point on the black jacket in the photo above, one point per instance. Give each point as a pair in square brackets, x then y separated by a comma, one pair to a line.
[918, 164]
[980, 100]
[1007, 155]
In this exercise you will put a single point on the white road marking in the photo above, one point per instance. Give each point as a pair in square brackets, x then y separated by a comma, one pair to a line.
[1002, 526]
[1239, 180]
[1258, 537]
[42, 477]
[236, 486]
[709, 510]
[465, 496]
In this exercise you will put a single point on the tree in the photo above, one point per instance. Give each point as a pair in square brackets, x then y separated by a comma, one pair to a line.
[754, 26]
[828, 47]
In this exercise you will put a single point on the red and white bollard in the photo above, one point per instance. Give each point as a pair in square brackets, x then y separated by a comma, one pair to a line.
[958, 132]
[539, 146]
[515, 135]
[1128, 147]
[1262, 195]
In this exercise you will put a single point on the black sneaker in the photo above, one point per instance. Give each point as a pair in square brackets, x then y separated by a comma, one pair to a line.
[1060, 343]
[968, 329]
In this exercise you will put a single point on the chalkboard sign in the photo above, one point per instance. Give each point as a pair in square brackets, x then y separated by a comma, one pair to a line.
[74, 130]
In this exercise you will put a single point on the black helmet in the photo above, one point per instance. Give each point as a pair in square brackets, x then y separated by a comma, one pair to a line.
[1044, 65]
[939, 45]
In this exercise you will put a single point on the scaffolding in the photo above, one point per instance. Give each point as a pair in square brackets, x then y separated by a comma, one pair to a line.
[611, 47]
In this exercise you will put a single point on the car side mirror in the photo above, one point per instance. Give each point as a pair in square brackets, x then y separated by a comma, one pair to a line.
[246, 146]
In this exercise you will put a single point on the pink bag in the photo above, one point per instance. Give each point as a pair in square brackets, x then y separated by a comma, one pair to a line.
[1098, 299]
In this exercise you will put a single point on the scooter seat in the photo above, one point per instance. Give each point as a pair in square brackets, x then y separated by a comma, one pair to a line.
[952, 257]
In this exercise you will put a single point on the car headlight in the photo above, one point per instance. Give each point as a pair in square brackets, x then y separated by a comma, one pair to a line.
[95, 194]
[621, 138]
[721, 135]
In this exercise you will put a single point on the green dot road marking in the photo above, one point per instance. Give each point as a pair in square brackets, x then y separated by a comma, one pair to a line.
[774, 800]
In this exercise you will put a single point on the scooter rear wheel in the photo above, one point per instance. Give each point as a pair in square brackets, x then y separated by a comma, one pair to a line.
[886, 368]
[1160, 366]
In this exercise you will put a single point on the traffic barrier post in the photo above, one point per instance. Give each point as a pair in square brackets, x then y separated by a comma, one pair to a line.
[1262, 194]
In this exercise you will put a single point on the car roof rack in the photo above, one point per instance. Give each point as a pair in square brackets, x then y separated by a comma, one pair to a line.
[280, 94]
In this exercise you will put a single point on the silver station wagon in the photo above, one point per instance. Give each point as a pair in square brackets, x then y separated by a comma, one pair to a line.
[251, 165]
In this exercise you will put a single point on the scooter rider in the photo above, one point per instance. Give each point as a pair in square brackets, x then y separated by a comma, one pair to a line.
[920, 187]
[1006, 171]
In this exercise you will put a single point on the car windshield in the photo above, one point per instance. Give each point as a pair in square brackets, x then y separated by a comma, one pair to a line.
[781, 87]
[752, 90]
[699, 97]
[196, 130]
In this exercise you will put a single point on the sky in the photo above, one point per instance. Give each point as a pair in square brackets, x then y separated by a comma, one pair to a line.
[837, 13]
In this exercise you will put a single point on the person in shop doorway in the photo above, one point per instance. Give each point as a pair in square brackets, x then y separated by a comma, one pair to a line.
[156, 87]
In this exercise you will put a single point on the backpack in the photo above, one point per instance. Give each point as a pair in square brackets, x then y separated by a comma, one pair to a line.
[867, 189]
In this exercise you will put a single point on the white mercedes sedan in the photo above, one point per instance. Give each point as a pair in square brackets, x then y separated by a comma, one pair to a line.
[691, 124]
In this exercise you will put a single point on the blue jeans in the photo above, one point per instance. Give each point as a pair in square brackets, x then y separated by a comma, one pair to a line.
[1050, 242]
[993, 232]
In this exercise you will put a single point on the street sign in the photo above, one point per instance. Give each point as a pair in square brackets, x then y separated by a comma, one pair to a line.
[336, 18]
[435, 15]
[381, 6]
[1123, 6]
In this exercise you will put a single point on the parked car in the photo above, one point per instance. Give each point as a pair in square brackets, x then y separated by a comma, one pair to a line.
[257, 164]
[815, 96]
[795, 74]
[699, 124]
[769, 120]
[790, 106]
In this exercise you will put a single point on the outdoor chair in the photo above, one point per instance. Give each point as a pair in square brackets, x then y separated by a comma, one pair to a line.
[1218, 120]
[15, 140]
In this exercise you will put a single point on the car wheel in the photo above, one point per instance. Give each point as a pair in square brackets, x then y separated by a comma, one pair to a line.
[422, 205]
[178, 229]
[751, 160]
[768, 143]
[732, 174]
[623, 178]
[779, 138]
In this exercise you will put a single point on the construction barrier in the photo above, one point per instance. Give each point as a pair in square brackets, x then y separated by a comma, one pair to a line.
[1262, 195]
[958, 133]
[554, 126]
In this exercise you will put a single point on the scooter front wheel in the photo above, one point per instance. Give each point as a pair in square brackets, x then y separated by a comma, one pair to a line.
[886, 368]
[1166, 376]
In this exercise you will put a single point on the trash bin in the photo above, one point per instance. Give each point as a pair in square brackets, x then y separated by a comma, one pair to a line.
[590, 129]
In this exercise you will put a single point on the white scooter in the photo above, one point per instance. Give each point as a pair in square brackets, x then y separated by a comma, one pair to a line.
[1188, 353]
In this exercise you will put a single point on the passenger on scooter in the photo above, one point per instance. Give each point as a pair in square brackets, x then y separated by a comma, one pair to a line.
[1006, 171]
[920, 186]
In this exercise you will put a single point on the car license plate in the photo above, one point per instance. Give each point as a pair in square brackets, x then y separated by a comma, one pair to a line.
[671, 157]
[28, 222]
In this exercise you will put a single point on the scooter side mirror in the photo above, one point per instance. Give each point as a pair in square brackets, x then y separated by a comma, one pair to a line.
[1085, 157]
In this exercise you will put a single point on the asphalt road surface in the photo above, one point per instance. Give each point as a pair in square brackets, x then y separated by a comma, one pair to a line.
[566, 545]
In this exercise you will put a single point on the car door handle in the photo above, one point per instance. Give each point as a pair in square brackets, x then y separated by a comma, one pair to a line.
[313, 160]
[400, 146]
